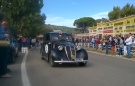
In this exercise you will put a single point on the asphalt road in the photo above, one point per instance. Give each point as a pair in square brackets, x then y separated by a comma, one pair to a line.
[101, 70]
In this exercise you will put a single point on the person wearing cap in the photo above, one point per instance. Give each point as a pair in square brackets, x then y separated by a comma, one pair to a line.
[4, 50]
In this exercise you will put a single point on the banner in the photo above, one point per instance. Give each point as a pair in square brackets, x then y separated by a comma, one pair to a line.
[108, 31]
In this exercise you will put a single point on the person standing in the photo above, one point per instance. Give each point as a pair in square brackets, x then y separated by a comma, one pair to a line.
[107, 45]
[121, 46]
[110, 38]
[4, 50]
[19, 43]
[112, 46]
[128, 42]
[97, 43]
[29, 42]
[125, 49]
[93, 40]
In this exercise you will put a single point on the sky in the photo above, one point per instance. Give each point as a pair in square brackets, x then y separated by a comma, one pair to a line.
[65, 12]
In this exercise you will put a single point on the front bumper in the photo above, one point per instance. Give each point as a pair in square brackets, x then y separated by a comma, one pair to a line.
[70, 61]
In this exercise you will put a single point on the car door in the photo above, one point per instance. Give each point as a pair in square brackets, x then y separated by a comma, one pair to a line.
[46, 46]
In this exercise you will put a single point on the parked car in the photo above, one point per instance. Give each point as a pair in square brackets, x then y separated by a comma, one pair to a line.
[13, 53]
[60, 48]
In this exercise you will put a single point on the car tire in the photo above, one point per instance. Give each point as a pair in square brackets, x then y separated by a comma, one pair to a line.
[82, 63]
[52, 63]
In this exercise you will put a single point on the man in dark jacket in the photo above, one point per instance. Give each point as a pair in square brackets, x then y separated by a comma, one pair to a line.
[4, 50]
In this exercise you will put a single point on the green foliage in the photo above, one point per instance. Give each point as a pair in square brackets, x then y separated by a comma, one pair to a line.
[24, 15]
[102, 20]
[84, 23]
[127, 10]
[117, 13]
[49, 28]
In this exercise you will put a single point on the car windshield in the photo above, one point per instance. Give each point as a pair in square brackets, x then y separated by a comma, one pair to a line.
[61, 37]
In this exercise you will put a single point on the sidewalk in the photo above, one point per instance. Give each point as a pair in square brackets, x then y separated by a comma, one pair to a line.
[15, 68]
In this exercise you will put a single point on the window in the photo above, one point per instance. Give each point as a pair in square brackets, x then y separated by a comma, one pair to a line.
[105, 28]
[63, 36]
[128, 21]
[47, 37]
[94, 30]
[132, 26]
[110, 27]
[120, 28]
[127, 27]
[116, 28]
[99, 28]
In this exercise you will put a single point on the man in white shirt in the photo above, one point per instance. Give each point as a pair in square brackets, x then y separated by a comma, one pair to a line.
[128, 42]
[93, 39]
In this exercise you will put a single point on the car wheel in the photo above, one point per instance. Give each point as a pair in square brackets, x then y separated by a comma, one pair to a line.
[82, 63]
[51, 61]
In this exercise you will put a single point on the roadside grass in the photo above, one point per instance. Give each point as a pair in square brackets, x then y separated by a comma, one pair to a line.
[103, 51]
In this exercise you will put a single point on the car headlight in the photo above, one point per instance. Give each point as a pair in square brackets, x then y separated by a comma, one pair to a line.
[60, 47]
[78, 47]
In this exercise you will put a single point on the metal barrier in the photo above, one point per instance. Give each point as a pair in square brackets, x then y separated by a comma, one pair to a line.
[133, 49]
[91, 45]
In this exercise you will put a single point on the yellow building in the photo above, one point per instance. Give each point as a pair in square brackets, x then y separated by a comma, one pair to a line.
[93, 31]
[120, 26]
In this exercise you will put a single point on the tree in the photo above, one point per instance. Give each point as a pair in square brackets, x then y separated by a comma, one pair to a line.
[127, 10]
[84, 23]
[24, 15]
[102, 20]
[49, 27]
[115, 13]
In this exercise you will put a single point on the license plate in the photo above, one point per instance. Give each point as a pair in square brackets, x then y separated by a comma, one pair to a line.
[79, 59]
[73, 57]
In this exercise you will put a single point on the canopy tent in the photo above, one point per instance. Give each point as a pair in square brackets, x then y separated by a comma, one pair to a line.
[40, 38]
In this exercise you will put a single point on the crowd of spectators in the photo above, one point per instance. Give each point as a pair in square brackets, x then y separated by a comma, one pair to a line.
[123, 43]
[27, 42]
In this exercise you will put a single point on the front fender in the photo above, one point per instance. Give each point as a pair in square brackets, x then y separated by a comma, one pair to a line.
[57, 55]
[82, 54]
[53, 54]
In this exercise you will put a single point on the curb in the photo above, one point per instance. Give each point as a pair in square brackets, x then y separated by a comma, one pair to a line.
[131, 59]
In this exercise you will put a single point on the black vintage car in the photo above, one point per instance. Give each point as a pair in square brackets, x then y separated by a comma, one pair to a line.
[59, 47]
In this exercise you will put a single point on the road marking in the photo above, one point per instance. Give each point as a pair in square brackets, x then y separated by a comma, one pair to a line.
[25, 79]
[112, 56]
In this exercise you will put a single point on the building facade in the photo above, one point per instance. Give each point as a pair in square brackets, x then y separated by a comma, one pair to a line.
[120, 26]
[117, 27]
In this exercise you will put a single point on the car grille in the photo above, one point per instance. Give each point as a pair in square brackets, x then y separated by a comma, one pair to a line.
[70, 52]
